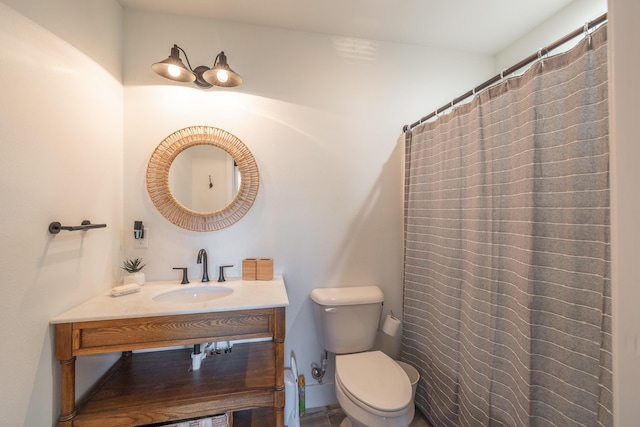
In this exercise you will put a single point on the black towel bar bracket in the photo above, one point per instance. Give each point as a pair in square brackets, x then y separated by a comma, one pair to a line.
[55, 227]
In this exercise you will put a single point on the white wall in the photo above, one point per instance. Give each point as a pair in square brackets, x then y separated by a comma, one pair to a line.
[625, 151]
[321, 115]
[61, 139]
[93, 27]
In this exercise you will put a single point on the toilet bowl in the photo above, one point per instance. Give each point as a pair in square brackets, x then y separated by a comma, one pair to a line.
[373, 390]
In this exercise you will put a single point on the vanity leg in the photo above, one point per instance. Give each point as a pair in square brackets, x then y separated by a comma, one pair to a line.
[68, 388]
[279, 417]
[278, 338]
[64, 354]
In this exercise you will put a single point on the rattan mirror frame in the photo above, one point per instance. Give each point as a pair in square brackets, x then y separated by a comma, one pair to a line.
[166, 203]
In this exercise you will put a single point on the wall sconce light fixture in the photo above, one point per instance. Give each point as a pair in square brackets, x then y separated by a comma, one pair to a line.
[220, 74]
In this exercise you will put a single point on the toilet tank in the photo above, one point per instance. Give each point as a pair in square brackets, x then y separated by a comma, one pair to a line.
[347, 318]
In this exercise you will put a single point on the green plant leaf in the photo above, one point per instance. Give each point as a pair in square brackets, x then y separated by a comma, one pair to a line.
[132, 265]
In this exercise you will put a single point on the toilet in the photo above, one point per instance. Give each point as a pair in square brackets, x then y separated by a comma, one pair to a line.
[372, 389]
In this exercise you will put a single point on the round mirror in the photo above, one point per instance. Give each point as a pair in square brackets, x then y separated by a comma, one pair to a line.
[202, 178]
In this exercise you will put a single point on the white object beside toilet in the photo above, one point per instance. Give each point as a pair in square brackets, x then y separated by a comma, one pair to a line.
[291, 405]
[414, 377]
[372, 389]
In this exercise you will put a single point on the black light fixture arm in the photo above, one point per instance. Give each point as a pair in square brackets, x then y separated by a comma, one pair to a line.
[216, 61]
[175, 46]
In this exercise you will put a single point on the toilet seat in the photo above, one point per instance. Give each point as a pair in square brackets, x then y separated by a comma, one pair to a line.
[374, 381]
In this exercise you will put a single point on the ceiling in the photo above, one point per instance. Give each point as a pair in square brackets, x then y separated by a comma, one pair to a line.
[482, 26]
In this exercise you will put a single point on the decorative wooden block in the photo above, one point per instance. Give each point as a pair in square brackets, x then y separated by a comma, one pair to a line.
[264, 269]
[249, 268]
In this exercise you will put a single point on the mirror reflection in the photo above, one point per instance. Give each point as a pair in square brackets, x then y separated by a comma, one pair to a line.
[204, 178]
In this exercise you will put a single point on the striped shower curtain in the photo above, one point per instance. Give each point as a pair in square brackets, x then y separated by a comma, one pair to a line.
[507, 291]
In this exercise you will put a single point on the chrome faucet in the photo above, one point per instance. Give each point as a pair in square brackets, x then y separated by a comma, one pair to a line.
[202, 259]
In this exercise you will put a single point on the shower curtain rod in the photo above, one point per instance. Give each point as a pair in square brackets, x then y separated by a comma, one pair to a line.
[528, 60]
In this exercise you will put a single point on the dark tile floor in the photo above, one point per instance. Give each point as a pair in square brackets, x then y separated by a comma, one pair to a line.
[332, 416]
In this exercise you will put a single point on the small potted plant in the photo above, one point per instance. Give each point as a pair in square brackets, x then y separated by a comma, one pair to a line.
[133, 267]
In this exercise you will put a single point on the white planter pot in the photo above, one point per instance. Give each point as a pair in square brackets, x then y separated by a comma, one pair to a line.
[137, 278]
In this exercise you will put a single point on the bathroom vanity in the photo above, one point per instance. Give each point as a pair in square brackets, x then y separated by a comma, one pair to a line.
[153, 387]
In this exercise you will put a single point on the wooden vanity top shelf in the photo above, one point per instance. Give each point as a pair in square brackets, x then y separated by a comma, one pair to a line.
[155, 387]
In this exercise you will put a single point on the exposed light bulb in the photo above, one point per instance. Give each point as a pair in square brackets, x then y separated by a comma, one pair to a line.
[222, 76]
[174, 70]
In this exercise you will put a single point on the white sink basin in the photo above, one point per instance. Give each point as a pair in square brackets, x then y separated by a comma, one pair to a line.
[190, 294]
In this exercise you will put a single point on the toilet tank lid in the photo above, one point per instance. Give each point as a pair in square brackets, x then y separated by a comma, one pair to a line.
[347, 296]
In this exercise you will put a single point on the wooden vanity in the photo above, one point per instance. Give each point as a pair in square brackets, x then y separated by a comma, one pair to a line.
[154, 387]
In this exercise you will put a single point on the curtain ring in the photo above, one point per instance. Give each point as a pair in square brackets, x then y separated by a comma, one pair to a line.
[587, 34]
[541, 52]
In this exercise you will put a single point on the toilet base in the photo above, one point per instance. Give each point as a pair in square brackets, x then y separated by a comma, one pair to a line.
[346, 423]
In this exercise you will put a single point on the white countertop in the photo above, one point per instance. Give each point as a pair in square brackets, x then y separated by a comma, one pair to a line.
[246, 295]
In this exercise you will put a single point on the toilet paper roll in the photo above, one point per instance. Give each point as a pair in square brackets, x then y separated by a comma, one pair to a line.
[391, 325]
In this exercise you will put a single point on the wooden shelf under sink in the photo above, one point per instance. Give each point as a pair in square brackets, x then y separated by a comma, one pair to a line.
[148, 388]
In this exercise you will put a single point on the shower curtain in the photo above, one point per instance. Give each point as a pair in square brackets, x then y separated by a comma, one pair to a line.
[507, 293]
